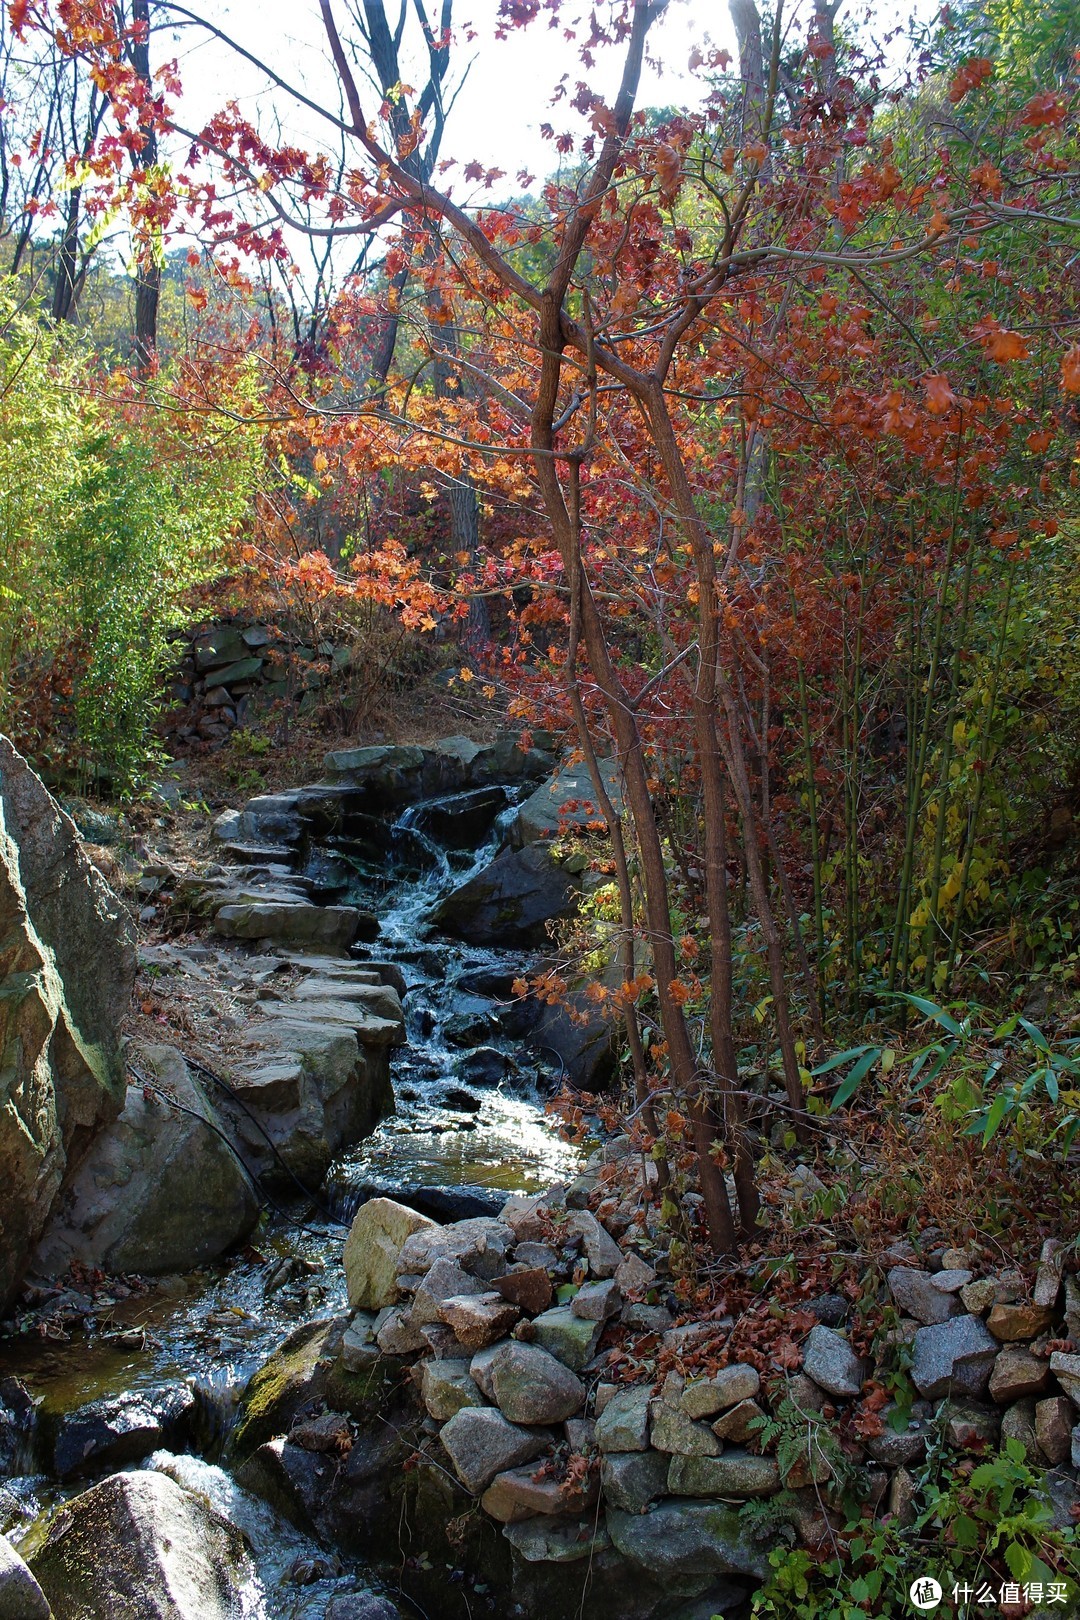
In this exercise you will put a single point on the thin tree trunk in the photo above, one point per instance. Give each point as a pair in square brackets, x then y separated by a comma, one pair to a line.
[147, 267]
[65, 288]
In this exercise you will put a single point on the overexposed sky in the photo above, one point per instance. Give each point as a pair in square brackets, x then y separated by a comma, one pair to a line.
[506, 95]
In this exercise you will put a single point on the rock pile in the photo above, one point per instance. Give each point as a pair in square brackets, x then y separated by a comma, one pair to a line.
[503, 1323]
[226, 672]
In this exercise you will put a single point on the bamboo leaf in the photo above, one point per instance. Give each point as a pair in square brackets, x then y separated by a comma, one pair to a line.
[1035, 1033]
[858, 1072]
[930, 1009]
[997, 1112]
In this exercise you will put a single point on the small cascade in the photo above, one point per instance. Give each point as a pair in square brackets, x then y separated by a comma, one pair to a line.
[469, 1128]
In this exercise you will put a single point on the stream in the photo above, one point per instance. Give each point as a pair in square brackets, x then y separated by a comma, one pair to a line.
[469, 1119]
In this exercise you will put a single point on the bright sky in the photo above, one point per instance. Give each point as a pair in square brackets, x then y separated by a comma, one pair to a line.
[507, 93]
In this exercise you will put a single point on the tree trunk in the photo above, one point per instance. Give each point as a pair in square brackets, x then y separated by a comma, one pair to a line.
[147, 268]
[68, 281]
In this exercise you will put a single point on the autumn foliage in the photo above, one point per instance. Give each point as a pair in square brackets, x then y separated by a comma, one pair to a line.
[771, 411]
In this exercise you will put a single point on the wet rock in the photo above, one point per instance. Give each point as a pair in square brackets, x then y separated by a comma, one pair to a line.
[18, 1421]
[510, 902]
[478, 1319]
[361, 1606]
[954, 1357]
[372, 1248]
[735, 1474]
[445, 1280]
[481, 1246]
[68, 968]
[160, 1190]
[452, 1203]
[481, 1443]
[739, 1423]
[631, 1480]
[1009, 1323]
[915, 1295]
[291, 1479]
[21, 1598]
[532, 1387]
[485, 1066]
[686, 1538]
[530, 1289]
[275, 1393]
[596, 1302]
[575, 1034]
[446, 1387]
[970, 1426]
[570, 1338]
[672, 1431]
[139, 1545]
[1017, 1373]
[521, 1494]
[706, 1396]
[462, 820]
[1054, 1420]
[832, 1364]
[121, 1429]
[623, 1424]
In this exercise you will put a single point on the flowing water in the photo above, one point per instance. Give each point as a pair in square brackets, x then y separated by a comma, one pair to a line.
[469, 1117]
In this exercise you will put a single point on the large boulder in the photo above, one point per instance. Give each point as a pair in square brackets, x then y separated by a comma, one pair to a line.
[67, 965]
[21, 1598]
[118, 1429]
[393, 774]
[511, 901]
[160, 1190]
[567, 803]
[311, 1083]
[140, 1547]
[372, 1247]
[685, 1543]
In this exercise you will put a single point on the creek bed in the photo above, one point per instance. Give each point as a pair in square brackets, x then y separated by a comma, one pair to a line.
[475, 1124]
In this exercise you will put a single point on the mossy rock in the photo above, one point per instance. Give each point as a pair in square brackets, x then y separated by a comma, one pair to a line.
[294, 1375]
[361, 1395]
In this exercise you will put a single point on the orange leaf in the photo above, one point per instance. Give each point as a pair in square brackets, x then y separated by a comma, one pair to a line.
[939, 394]
[1070, 370]
[1004, 346]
